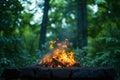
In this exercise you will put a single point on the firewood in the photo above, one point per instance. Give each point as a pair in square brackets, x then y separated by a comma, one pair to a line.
[39, 65]
[77, 64]
[58, 62]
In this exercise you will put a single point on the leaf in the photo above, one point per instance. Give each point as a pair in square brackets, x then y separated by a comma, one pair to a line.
[100, 1]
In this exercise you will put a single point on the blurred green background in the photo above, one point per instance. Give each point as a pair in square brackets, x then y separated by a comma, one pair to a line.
[91, 26]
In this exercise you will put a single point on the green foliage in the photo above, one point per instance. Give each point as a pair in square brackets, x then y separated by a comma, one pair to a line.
[103, 37]
[10, 51]
[9, 15]
[19, 39]
[9, 43]
[62, 20]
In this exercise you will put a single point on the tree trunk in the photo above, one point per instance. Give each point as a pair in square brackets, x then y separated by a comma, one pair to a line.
[81, 24]
[44, 24]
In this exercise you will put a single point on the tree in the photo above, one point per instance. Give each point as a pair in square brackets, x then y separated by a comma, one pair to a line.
[44, 24]
[81, 36]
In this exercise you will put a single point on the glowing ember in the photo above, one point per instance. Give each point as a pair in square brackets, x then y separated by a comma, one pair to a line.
[59, 57]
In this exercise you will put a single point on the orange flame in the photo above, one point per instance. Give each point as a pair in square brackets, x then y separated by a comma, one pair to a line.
[60, 54]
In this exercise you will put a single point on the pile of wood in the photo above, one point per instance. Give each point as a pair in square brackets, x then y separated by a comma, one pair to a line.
[55, 63]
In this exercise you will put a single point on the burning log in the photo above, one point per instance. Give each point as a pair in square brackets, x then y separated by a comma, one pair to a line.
[44, 65]
[58, 62]
[59, 57]
[77, 64]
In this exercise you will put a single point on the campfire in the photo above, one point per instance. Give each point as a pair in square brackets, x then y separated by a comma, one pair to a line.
[59, 57]
[55, 62]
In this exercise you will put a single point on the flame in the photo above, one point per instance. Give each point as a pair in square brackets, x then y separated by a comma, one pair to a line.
[61, 55]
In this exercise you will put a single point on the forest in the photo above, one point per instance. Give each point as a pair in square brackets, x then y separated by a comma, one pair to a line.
[29, 27]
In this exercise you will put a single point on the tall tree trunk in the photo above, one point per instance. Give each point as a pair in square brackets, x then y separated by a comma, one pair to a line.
[81, 24]
[44, 24]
